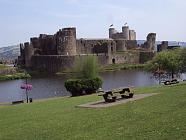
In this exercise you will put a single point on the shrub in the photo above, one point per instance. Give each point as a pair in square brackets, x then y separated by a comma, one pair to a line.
[78, 87]
[91, 85]
[74, 86]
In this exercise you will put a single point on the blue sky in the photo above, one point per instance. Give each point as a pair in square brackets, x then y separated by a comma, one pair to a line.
[22, 19]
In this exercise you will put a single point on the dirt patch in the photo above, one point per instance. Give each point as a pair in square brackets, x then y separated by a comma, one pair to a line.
[103, 104]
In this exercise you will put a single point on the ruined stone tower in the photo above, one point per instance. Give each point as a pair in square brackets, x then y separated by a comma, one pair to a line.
[132, 35]
[29, 52]
[66, 41]
[125, 30]
[151, 41]
[112, 31]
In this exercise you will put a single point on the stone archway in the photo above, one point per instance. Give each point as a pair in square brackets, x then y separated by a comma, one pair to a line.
[113, 61]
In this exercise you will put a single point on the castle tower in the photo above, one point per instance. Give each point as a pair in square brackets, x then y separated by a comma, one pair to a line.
[151, 41]
[125, 30]
[121, 45]
[21, 58]
[22, 52]
[132, 35]
[29, 52]
[112, 31]
[66, 41]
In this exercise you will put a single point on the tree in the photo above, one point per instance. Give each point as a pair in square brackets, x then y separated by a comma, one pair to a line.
[166, 62]
[86, 68]
[86, 80]
[183, 60]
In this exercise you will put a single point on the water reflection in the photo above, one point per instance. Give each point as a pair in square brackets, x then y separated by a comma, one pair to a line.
[127, 78]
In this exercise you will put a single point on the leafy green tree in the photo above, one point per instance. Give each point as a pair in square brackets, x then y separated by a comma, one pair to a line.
[166, 62]
[183, 60]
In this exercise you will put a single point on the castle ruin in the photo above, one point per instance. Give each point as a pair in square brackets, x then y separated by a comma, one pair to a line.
[57, 52]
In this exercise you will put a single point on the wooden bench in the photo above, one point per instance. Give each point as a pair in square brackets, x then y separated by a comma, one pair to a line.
[111, 96]
[17, 102]
[170, 82]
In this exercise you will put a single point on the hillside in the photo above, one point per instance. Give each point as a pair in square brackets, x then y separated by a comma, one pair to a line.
[10, 52]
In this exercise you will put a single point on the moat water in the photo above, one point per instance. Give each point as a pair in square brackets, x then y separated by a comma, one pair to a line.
[49, 87]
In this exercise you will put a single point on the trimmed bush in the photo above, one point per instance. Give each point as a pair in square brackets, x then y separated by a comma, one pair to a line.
[74, 86]
[91, 85]
[78, 87]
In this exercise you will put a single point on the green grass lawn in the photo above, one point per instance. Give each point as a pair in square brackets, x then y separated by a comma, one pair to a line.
[111, 67]
[162, 116]
[3, 66]
[116, 67]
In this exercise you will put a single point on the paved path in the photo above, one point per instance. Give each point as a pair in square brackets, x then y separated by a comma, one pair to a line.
[103, 104]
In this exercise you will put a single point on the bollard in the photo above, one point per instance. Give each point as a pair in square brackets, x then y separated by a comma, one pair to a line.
[30, 99]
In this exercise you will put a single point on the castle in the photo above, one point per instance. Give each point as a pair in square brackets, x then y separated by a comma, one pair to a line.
[57, 52]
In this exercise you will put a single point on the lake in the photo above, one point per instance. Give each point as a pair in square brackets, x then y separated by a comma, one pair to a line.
[54, 86]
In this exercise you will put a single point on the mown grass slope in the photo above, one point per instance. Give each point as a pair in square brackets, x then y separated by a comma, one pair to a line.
[158, 117]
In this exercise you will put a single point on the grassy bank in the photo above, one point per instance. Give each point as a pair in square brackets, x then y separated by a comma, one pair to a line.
[157, 117]
[115, 67]
[111, 67]
[3, 66]
[11, 73]
[13, 76]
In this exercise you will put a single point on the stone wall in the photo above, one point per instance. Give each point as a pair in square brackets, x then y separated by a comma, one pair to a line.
[163, 46]
[44, 45]
[131, 44]
[95, 46]
[131, 57]
[55, 63]
[121, 45]
[118, 36]
[145, 56]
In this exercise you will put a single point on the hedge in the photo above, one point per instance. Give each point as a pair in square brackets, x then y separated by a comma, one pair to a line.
[78, 87]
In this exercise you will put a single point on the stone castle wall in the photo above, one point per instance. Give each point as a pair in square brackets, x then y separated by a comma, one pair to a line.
[129, 57]
[163, 46]
[55, 63]
[145, 56]
[95, 46]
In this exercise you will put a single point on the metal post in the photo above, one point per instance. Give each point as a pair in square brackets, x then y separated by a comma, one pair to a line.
[159, 79]
[159, 74]
[26, 88]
